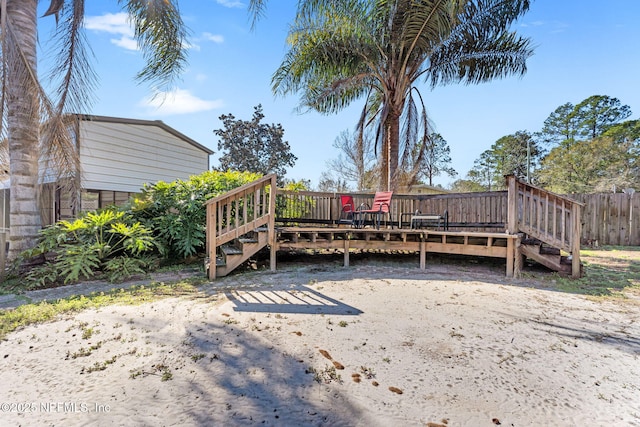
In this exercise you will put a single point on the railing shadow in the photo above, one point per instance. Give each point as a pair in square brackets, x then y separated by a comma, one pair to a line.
[298, 299]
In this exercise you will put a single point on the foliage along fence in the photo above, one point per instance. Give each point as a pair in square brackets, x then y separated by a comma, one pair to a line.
[607, 219]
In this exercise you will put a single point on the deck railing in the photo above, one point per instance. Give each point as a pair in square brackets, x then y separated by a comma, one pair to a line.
[238, 212]
[470, 211]
[545, 216]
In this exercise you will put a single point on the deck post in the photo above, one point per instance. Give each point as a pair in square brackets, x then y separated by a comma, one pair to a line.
[211, 238]
[512, 205]
[519, 259]
[576, 233]
[3, 253]
[272, 224]
[423, 255]
[510, 256]
[346, 252]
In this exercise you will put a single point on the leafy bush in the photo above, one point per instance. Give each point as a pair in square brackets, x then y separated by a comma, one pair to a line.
[176, 211]
[168, 219]
[78, 249]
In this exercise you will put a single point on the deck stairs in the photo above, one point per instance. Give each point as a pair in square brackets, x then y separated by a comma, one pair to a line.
[234, 253]
[550, 226]
[549, 256]
[239, 224]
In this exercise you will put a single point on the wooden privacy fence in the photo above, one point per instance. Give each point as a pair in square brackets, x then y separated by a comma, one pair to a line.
[610, 218]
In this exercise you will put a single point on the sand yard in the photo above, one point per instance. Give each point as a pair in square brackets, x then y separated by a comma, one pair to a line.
[364, 346]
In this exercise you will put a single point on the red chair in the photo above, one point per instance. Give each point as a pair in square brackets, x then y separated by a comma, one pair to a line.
[346, 213]
[381, 206]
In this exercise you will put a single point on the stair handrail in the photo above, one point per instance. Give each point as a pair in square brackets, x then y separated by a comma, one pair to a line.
[238, 212]
[546, 216]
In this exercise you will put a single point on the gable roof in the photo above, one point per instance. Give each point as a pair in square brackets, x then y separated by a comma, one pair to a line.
[157, 123]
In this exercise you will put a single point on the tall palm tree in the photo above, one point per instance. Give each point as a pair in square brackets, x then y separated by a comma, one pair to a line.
[343, 50]
[33, 122]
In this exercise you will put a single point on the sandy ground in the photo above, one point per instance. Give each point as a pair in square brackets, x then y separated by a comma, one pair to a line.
[363, 346]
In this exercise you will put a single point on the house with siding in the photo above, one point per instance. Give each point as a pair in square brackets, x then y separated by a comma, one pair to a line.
[117, 157]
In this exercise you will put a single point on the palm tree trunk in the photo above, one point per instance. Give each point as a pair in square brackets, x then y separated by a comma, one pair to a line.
[22, 124]
[390, 151]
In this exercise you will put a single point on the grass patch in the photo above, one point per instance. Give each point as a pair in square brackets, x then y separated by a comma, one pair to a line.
[326, 376]
[29, 314]
[612, 271]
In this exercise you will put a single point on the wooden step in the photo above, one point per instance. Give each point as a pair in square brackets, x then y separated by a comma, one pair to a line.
[549, 250]
[230, 249]
[244, 240]
[553, 261]
[233, 254]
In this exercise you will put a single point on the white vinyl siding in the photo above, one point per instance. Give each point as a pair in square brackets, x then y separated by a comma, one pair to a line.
[124, 156]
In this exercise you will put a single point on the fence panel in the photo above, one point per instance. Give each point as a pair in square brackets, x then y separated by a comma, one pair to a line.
[610, 218]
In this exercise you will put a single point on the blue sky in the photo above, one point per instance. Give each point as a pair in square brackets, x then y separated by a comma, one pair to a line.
[583, 48]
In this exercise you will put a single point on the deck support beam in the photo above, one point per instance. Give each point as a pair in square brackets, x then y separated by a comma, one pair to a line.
[519, 259]
[510, 257]
[346, 252]
[423, 255]
[273, 238]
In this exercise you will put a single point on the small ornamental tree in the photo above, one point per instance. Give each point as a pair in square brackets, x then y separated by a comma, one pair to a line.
[252, 146]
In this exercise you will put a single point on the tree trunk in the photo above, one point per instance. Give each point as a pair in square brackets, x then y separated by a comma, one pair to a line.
[390, 151]
[22, 124]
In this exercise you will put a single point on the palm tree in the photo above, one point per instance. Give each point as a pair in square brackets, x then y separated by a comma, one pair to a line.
[38, 137]
[343, 50]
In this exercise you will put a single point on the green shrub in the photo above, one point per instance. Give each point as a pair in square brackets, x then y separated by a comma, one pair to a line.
[79, 249]
[167, 219]
[176, 211]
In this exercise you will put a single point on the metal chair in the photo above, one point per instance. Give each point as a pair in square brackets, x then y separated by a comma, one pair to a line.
[347, 210]
[381, 206]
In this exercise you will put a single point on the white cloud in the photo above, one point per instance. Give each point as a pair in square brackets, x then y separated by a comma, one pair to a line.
[230, 3]
[532, 24]
[192, 46]
[125, 42]
[114, 23]
[216, 38]
[179, 101]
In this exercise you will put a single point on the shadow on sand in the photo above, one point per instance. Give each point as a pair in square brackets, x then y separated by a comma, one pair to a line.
[298, 299]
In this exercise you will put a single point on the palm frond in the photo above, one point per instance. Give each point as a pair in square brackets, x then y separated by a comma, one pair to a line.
[72, 75]
[256, 11]
[326, 60]
[54, 8]
[161, 35]
[56, 149]
[74, 81]
[481, 47]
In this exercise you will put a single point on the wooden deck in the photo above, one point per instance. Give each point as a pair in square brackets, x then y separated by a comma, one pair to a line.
[255, 215]
[497, 245]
